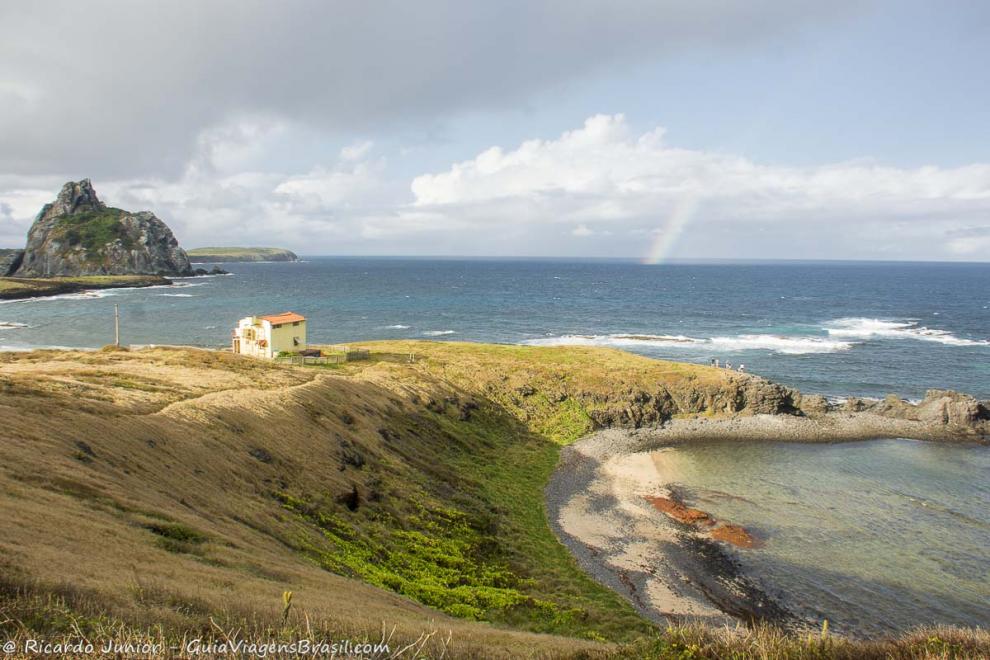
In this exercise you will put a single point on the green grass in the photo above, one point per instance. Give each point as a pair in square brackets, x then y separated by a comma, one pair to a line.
[94, 229]
[424, 479]
[461, 526]
[236, 252]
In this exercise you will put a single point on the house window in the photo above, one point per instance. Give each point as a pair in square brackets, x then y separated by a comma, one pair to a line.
[295, 323]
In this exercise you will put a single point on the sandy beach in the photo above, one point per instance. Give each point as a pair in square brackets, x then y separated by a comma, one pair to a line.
[613, 502]
[599, 504]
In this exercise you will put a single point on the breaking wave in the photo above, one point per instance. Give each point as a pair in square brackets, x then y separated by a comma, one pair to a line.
[438, 333]
[775, 343]
[864, 328]
[616, 340]
[780, 344]
[11, 325]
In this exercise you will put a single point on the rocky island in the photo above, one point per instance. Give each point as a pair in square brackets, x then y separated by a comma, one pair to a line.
[77, 242]
[214, 255]
[78, 235]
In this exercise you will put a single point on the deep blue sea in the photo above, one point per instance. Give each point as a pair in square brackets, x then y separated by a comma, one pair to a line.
[827, 327]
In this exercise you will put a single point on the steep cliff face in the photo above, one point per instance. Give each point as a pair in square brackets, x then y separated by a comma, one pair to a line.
[10, 261]
[77, 234]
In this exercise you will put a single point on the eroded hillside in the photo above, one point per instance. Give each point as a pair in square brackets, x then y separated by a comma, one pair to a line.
[192, 488]
[174, 484]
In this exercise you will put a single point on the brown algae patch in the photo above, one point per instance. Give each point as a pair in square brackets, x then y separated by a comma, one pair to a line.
[703, 521]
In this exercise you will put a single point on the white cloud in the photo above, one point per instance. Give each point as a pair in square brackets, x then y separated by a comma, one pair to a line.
[356, 151]
[636, 194]
[602, 175]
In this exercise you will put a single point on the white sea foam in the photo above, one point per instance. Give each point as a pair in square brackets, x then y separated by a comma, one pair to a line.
[11, 325]
[397, 326]
[177, 295]
[438, 333]
[40, 347]
[864, 328]
[792, 345]
[616, 340]
[80, 295]
[775, 343]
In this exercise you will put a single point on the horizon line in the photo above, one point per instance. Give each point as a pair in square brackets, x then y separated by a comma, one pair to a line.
[680, 260]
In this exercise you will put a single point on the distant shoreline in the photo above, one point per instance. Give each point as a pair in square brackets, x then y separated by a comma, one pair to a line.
[213, 255]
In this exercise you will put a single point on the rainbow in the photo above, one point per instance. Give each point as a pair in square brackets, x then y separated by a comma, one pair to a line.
[666, 237]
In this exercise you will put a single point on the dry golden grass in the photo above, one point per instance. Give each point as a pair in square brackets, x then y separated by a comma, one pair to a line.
[91, 464]
[169, 493]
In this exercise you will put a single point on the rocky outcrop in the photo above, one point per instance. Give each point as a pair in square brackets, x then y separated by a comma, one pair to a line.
[738, 394]
[955, 412]
[77, 235]
[10, 261]
[940, 413]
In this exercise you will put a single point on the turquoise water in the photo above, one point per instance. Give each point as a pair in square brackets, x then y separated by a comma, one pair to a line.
[832, 328]
[874, 536]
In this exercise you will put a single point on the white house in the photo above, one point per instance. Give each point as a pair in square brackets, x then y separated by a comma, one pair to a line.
[267, 336]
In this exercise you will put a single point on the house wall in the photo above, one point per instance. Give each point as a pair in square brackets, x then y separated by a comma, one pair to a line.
[250, 345]
[282, 337]
[277, 338]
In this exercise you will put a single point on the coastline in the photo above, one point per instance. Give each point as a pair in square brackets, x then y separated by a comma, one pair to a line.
[606, 503]
[18, 288]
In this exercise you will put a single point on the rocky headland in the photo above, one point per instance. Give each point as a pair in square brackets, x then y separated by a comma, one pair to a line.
[78, 235]
[214, 255]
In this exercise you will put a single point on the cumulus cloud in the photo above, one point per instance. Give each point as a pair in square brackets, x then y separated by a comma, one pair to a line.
[633, 193]
[602, 176]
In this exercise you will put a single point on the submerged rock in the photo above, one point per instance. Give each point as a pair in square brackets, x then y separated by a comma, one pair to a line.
[78, 234]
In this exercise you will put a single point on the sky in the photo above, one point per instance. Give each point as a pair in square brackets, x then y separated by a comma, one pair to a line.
[649, 129]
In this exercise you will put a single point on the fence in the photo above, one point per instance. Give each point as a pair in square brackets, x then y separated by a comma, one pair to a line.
[345, 355]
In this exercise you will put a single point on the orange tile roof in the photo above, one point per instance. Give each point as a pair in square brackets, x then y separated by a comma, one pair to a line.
[284, 317]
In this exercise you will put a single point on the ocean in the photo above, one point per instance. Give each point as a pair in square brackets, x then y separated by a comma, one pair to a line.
[835, 328]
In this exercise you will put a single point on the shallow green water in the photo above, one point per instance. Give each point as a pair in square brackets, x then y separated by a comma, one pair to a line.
[875, 536]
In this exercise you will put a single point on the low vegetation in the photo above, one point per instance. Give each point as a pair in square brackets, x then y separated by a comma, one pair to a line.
[396, 498]
[94, 229]
[28, 287]
[225, 254]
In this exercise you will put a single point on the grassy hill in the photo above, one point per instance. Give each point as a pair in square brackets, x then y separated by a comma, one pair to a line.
[235, 254]
[179, 492]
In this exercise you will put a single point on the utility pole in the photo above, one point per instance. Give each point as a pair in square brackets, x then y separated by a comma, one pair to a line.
[116, 325]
